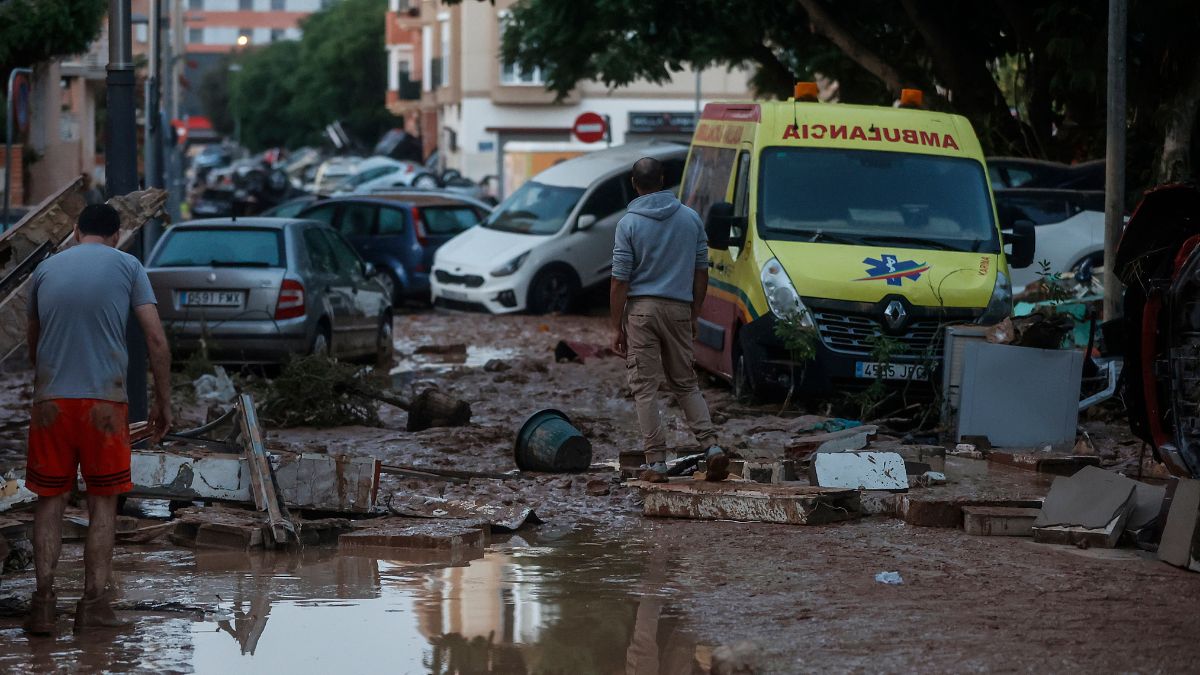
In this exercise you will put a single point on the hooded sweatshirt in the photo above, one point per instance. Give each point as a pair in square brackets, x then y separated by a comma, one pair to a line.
[659, 246]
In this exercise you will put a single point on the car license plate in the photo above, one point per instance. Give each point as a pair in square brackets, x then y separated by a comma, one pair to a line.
[891, 371]
[211, 298]
[454, 295]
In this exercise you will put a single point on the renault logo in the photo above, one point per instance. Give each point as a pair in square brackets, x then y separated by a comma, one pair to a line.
[212, 277]
[894, 315]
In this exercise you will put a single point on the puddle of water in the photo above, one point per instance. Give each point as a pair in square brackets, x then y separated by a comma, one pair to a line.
[567, 605]
[476, 356]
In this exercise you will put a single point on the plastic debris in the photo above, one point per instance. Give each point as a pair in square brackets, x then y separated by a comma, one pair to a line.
[889, 578]
[215, 387]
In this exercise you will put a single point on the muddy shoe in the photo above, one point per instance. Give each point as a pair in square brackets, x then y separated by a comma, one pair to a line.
[41, 614]
[717, 463]
[656, 473]
[96, 613]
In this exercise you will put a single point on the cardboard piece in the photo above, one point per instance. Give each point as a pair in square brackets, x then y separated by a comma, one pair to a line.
[1180, 544]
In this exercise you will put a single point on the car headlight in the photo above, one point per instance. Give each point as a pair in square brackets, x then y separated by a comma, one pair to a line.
[782, 297]
[511, 266]
[1000, 305]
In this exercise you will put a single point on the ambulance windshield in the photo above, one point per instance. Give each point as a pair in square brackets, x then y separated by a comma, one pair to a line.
[534, 209]
[875, 198]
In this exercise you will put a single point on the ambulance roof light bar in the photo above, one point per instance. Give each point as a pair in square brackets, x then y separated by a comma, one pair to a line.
[912, 98]
[805, 91]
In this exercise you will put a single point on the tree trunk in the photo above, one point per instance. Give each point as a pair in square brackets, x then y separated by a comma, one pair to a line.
[825, 24]
[1175, 163]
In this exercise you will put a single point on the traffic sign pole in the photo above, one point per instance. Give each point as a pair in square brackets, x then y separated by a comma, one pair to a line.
[590, 127]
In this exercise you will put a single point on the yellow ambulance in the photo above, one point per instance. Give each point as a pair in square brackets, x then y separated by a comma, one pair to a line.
[853, 221]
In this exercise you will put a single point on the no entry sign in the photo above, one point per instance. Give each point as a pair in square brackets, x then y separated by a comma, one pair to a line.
[589, 127]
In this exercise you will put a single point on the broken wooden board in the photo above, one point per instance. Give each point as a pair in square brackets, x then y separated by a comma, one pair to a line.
[312, 481]
[240, 529]
[53, 222]
[1091, 537]
[408, 534]
[749, 502]
[859, 470]
[498, 517]
[999, 521]
[852, 438]
[1180, 544]
[1058, 465]
[262, 480]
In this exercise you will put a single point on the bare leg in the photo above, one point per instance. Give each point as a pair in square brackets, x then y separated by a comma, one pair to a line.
[47, 540]
[97, 552]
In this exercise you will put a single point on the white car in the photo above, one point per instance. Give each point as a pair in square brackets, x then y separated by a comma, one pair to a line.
[550, 239]
[1069, 229]
[376, 173]
[332, 172]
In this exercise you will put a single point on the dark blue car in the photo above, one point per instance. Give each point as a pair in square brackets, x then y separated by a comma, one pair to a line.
[399, 233]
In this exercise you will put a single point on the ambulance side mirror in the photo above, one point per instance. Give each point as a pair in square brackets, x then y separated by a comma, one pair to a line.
[719, 226]
[1023, 239]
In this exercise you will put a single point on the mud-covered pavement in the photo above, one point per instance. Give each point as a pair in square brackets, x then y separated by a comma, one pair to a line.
[597, 588]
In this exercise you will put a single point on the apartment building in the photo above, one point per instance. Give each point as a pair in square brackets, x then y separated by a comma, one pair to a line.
[446, 78]
[214, 28]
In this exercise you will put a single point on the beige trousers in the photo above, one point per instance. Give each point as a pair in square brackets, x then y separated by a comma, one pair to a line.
[659, 339]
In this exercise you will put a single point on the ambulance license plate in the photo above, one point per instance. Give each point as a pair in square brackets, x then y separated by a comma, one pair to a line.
[890, 371]
[211, 298]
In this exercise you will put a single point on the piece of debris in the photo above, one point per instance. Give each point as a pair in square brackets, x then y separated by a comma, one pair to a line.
[929, 478]
[599, 487]
[13, 493]
[1093, 507]
[889, 578]
[549, 442]
[999, 521]
[453, 348]
[766, 472]
[496, 366]
[749, 502]
[739, 658]
[241, 529]
[859, 470]
[498, 517]
[215, 387]
[408, 534]
[1182, 531]
[1060, 465]
[580, 352]
[849, 438]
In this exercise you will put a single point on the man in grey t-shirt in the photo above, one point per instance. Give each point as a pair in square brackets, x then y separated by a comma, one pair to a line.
[79, 306]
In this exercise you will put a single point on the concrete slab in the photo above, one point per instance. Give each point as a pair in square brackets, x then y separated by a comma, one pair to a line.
[999, 521]
[971, 483]
[1180, 544]
[749, 502]
[1098, 537]
[865, 470]
[1092, 499]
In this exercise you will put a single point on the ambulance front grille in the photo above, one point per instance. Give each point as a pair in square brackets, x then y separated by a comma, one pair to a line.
[853, 334]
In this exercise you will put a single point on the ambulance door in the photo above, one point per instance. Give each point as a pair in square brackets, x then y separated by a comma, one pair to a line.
[721, 313]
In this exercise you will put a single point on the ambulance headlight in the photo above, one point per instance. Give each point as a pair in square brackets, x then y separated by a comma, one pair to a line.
[1000, 305]
[782, 297]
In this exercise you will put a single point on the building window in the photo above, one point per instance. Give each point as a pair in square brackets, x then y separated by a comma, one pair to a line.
[277, 5]
[276, 34]
[512, 74]
[141, 31]
[196, 36]
[246, 5]
[196, 5]
[444, 37]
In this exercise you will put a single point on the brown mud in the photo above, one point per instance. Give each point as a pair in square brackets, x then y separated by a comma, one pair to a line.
[574, 594]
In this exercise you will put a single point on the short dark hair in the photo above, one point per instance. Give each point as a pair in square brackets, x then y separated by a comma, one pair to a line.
[648, 175]
[100, 220]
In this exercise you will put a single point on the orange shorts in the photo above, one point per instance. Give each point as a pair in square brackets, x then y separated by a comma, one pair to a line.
[70, 433]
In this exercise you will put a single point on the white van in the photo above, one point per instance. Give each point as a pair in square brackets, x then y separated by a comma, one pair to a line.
[550, 239]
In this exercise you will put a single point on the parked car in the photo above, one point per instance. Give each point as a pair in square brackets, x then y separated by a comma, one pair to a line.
[255, 290]
[385, 172]
[551, 238]
[289, 208]
[1013, 172]
[213, 202]
[399, 233]
[1069, 225]
[332, 172]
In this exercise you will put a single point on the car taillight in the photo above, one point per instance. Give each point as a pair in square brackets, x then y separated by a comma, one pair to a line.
[291, 300]
[419, 226]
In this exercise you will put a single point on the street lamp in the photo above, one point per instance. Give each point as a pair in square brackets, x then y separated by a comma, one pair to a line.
[243, 40]
[234, 67]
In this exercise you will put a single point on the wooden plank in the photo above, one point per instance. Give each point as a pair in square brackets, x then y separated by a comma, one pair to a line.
[749, 502]
[49, 222]
[261, 478]
[999, 521]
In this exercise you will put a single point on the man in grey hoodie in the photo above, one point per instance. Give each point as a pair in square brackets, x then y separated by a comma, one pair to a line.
[659, 280]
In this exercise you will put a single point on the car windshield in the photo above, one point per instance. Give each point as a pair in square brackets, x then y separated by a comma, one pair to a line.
[370, 174]
[534, 209]
[232, 247]
[876, 198]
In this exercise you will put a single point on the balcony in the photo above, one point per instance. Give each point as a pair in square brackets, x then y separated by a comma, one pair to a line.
[410, 90]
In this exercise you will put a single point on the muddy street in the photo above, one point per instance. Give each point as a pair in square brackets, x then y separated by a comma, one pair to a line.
[597, 587]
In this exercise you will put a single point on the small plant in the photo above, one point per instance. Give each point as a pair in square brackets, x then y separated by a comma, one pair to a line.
[884, 350]
[799, 336]
[1053, 287]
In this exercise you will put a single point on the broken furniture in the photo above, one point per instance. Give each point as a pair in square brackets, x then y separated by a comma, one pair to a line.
[748, 502]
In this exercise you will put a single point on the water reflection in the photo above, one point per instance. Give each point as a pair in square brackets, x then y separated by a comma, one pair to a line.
[569, 605]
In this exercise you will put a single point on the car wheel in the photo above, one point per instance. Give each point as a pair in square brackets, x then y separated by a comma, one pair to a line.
[552, 291]
[425, 181]
[745, 388]
[384, 347]
[321, 342]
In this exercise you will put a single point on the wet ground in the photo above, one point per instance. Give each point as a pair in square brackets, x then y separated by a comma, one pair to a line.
[598, 589]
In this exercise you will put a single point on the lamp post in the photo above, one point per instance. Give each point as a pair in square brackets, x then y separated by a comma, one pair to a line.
[235, 67]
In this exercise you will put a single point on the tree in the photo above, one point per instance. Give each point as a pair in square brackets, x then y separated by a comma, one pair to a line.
[214, 97]
[32, 31]
[285, 93]
[1029, 75]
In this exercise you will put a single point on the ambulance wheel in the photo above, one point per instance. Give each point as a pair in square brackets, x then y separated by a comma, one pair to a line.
[745, 388]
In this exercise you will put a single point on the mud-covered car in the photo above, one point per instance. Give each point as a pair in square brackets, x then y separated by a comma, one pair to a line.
[255, 290]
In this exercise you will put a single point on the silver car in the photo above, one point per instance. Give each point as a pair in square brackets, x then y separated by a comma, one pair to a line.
[258, 289]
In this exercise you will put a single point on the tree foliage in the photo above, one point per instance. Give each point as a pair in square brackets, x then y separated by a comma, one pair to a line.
[32, 31]
[285, 93]
[1030, 75]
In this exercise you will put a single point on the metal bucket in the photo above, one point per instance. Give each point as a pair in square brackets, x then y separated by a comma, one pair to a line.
[549, 442]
